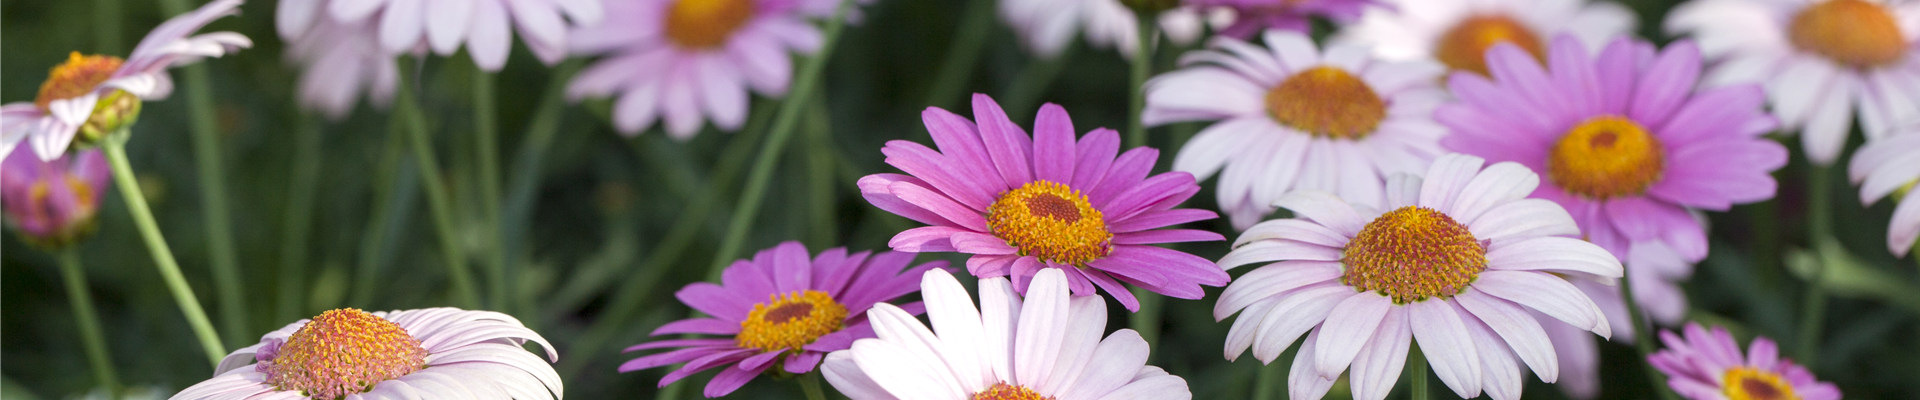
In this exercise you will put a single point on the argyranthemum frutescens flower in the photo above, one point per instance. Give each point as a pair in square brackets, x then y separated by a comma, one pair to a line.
[1455, 262]
[338, 60]
[1707, 365]
[1459, 32]
[52, 203]
[92, 95]
[1821, 61]
[1886, 166]
[1021, 204]
[1047, 347]
[1293, 117]
[780, 308]
[1047, 27]
[443, 26]
[424, 353]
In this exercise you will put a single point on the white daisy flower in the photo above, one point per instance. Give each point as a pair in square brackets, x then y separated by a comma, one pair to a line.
[1887, 166]
[443, 25]
[1459, 32]
[1048, 26]
[338, 61]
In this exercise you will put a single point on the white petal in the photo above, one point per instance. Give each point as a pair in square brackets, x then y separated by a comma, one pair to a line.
[1445, 341]
[1043, 325]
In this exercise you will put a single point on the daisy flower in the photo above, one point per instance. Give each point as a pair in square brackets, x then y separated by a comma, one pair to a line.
[687, 61]
[1048, 26]
[1455, 264]
[52, 203]
[1023, 204]
[338, 61]
[407, 25]
[97, 94]
[1822, 61]
[424, 353]
[1887, 166]
[1707, 365]
[1047, 347]
[780, 308]
[1253, 16]
[1627, 145]
[1656, 273]
[1459, 32]
[1293, 117]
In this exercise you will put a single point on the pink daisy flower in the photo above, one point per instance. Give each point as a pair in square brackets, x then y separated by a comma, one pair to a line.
[1022, 203]
[1626, 143]
[1457, 261]
[1459, 32]
[1253, 16]
[338, 61]
[53, 203]
[97, 93]
[1707, 365]
[1047, 347]
[780, 308]
[688, 61]
[443, 25]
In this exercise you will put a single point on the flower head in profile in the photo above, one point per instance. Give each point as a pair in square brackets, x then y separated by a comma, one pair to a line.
[339, 61]
[424, 353]
[1627, 145]
[1021, 204]
[1887, 166]
[481, 25]
[53, 203]
[1823, 61]
[1047, 347]
[1708, 365]
[684, 62]
[1294, 117]
[1655, 273]
[93, 95]
[1459, 32]
[780, 309]
[1454, 264]
[1252, 16]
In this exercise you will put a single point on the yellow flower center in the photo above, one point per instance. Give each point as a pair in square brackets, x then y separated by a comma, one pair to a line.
[1003, 391]
[79, 75]
[1606, 157]
[1464, 47]
[1412, 254]
[791, 321]
[1851, 32]
[1052, 222]
[706, 24]
[1750, 384]
[342, 352]
[1327, 102]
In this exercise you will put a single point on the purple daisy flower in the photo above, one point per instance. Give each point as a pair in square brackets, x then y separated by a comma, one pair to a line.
[780, 306]
[1708, 366]
[52, 203]
[1021, 203]
[1626, 142]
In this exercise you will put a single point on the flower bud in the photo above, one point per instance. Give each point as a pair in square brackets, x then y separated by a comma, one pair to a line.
[52, 203]
[115, 111]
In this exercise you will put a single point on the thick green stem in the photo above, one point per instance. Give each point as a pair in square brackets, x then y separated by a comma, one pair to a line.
[406, 108]
[1142, 67]
[1643, 338]
[1814, 305]
[392, 200]
[963, 55]
[486, 150]
[810, 384]
[89, 323]
[823, 216]
[1271, 382]
[1421, 390]
[302, 180]
[129, 186]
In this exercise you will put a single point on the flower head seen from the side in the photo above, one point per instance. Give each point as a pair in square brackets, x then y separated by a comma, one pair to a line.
[92, 95]
[1293, 117]
[1459, 32]
[1708, 365]
[685, 62]
[481, 25]
[424, 353]
[52, 203]
[1454, 264]
[1250, 17]
[339, 61]
[1890, 166]
[1047, 346]
[1021, 204]
[781, 309]
[1822, 61]
[1625, 142]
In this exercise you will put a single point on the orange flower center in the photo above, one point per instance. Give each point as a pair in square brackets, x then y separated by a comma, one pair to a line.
[1052, 222]
[1851, 32]
[706, 24]
[76, 77]
[1606, 157]
[1003, 391]
[1464, 47]
[1412, 254]
[343, 352]
[791, 321]
[1327, 102]
[1750, 384]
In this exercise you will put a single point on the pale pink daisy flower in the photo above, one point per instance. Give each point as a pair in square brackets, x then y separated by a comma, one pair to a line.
[1822, 61]
[1459, 32]
[338, 60]
[1705, 365]
[1047, 347]
[688, 61]
[1656, 272]
[1294, 117]
[98, 93]
[1048, 26]
[444, 25]
[1887, 166]
[351, 354]
[1457, 261]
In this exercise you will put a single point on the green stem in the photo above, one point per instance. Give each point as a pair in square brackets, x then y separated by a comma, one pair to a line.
[1643, 338]
[302, 180]
[1147, 321]
[406, 108]
[88, 321]
[1421, 390]
[1142, 67]
[487, 149]
[391, 202]
[810, 384]
[129, 186]
[820, 170]
[1271, 381]
[213, 194]
[1814, 305]
[963, 55]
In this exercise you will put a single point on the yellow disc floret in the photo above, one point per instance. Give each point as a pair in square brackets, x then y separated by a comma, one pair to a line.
[1412, 254]
[1052, 222]
[1606, 157]
[343, 352]
[1856, 33]
[791, 321]
[1464, 47]
[706, 24]
[78, 76]
[1003, 391]
[1744, 383]
[1327, 102]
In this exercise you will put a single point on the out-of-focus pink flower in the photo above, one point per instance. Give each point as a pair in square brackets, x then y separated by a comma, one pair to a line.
[53, 202]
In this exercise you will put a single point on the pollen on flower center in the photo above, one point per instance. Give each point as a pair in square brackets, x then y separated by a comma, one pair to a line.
[343, 352]
[790, 321]
[1003, 391]
[1328, 102]
[1852, 32]
[1750, 384]
[1412, 254]
[79, 75]
[706, 24]
[1052, 222]
[1464, 47]
[1606, 157]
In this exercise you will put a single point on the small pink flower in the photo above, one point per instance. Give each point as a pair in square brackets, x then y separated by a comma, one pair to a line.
[53, 202]
[1707, 365]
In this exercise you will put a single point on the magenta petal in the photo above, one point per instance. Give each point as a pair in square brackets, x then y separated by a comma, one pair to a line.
[1007, 145]
[940, 204]
[1572, 70]
[940, 173]
[1096, 152]
[957, 137]
[716, 301]
[979, 243]
[1175, 263]
[1154, 189]
[697, 325]
[1618, 67]
[1158, 219]
[1113, 288]
[925, 239]
[877, 189]
[1053, 147]
[671, 357]
[985, 267]
[831, 271]
[1076, 279]
[1166, 236]
[1518, 72]
[843, 339]
[731, 379]
[1022, 272]
[1129, 267]
[1126, 172]
[1666, 83]
[1713, 112]
[792, 271]
[760, 360]
[803, 362]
